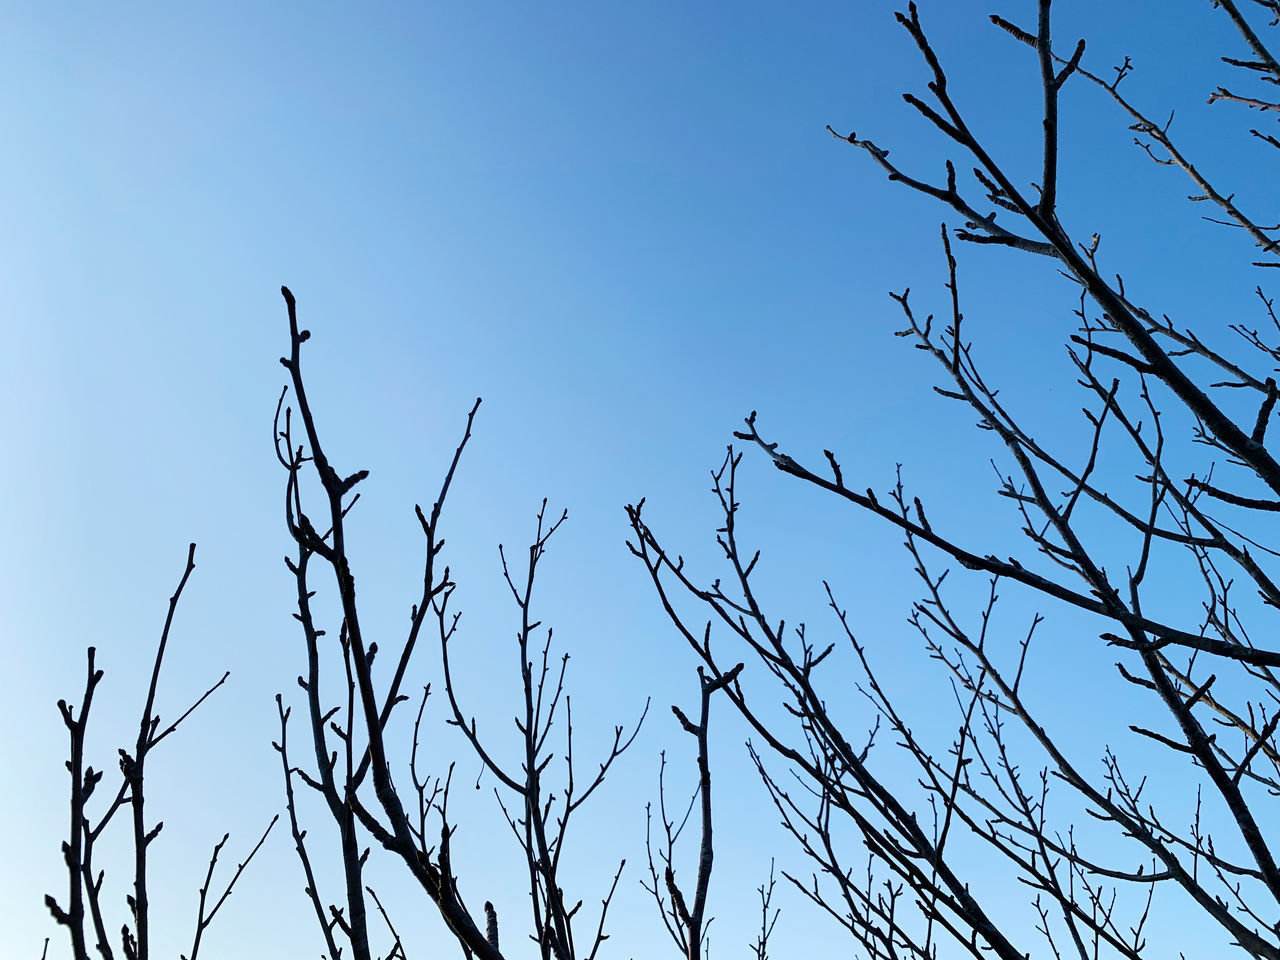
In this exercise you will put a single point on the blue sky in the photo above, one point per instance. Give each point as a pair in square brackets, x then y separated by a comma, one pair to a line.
[625, 227]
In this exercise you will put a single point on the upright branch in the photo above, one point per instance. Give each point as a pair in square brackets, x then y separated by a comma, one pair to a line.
[768, 917]
[133, 767]
[83, 782]
[300, 835]
[687, 924]
[541, 822]
[206, 913]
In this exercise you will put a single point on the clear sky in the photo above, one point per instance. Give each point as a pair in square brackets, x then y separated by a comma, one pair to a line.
[625, 227]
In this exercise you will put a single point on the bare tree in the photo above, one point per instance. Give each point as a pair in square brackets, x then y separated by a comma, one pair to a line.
[85, 915]
[1163, 402]
[408, 812]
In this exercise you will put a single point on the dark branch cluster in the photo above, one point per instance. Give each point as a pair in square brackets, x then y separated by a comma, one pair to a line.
[348, 720]
[1128, 552]
[85, 914]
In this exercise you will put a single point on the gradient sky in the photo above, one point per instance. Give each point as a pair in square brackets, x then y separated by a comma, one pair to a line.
[625, 227]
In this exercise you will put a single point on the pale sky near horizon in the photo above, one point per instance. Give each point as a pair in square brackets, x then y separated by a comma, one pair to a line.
[625, 227]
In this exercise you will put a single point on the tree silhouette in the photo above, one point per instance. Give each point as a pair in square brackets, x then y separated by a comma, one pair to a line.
[1164, 508]
[85, 906]
[1164, 403]
[348, 728]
